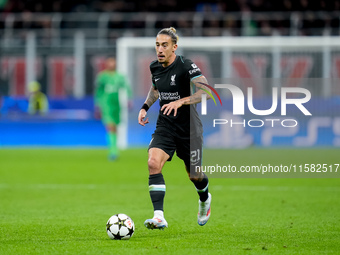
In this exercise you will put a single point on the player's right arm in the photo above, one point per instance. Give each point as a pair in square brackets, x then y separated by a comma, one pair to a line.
[150, 100]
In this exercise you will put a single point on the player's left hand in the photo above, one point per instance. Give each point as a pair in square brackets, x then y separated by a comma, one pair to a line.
[167, 108]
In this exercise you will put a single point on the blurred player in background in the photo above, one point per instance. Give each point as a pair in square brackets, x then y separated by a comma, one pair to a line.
[178, 126]
[108, 84]
[38, 102]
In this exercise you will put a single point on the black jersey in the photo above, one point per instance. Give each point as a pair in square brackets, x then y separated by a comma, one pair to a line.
[173, 83]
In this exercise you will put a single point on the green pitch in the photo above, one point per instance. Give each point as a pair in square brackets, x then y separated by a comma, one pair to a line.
[58, 201]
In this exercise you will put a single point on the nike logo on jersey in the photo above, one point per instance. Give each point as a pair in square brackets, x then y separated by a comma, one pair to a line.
[157, 79]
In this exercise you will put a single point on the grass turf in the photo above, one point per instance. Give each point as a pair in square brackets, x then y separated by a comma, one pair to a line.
[57, 201]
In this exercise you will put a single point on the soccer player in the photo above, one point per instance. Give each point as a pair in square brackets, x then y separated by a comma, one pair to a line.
[108, 84]
[38, 102]
[178, 126]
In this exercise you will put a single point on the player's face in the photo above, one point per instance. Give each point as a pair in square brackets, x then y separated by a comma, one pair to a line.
[111, 64]
[165, 49]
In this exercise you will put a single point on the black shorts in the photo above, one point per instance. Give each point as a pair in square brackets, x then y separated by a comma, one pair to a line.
[189, 150]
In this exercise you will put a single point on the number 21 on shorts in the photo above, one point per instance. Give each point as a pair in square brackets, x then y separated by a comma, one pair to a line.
[195, 156]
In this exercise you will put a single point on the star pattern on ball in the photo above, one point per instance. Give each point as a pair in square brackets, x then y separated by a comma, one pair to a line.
[120, 223]
[120, 226]
[108, 225]
[130, 231]
[116, 236]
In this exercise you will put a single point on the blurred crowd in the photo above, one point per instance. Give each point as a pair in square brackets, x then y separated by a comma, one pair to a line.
[168, 5]
[221, 17]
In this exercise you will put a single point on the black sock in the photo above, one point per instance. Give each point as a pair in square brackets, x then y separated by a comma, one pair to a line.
[202, 188]
[157, 191]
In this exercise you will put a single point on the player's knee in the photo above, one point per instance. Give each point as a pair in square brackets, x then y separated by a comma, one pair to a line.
[196, 176]
[154, 166]
[191, 174]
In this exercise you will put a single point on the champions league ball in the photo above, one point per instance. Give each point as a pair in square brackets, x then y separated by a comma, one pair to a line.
[120, 227]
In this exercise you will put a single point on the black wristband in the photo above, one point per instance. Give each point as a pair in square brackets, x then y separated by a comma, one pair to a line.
[145, 107]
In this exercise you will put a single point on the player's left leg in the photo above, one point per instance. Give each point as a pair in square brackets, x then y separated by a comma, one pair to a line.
[201, 182]
[191, 154]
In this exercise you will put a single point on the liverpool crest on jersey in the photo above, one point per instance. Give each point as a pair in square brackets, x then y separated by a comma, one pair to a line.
[173, 83]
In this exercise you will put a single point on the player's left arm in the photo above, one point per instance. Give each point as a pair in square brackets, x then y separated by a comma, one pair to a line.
[193, 99]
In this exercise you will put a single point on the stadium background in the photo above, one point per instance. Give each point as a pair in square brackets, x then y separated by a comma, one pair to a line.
[57, 200]
[69, 41]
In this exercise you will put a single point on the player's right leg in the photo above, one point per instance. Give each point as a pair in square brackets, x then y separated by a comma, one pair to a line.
[201, 182]
[156, 161]
[191, 153]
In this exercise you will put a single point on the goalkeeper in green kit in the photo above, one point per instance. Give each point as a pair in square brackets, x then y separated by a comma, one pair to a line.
[108, 84]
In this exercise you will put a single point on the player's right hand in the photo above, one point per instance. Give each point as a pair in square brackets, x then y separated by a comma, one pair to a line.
[141, 117]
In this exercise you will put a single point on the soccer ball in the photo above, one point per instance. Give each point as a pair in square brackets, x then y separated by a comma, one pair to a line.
[120, 227]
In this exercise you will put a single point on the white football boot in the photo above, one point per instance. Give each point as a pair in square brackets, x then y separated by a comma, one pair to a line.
[157, 222]
[204, 211]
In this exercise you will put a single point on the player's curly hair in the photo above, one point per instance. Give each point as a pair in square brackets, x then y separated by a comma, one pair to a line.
[171, 31]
